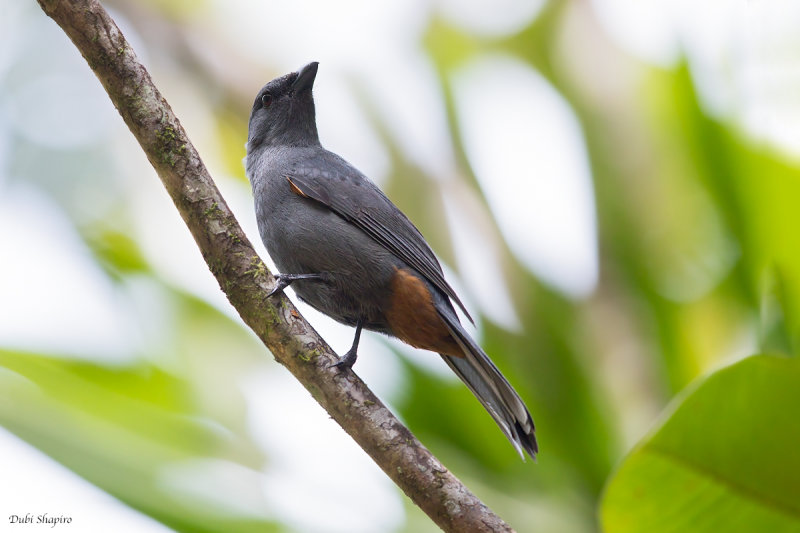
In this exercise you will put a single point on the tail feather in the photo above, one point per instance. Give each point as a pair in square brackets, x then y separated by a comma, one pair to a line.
[491, 388]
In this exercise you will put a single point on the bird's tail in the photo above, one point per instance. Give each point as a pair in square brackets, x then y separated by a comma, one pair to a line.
[491, 388]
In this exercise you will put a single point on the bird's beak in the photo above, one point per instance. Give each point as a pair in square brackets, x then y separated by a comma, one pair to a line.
[305, 77]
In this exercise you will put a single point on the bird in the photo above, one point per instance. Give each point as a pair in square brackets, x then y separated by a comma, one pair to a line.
[350, 253]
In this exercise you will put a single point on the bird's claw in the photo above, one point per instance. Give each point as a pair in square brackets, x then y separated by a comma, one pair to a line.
[347, 361]
[284, 280]
[280, 284]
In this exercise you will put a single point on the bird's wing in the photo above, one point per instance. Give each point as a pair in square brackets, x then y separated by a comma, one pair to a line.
[331, 181]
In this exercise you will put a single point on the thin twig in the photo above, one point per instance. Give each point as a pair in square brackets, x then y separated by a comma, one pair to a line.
[245, 280]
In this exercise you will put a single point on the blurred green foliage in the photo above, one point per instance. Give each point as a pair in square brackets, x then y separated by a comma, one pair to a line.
[118, 428]
[723, 461]
[697, 251]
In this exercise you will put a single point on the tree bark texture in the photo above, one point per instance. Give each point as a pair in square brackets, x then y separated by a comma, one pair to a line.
[245, 279]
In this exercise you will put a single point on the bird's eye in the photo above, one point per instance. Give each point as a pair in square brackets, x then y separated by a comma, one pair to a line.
[266, 99]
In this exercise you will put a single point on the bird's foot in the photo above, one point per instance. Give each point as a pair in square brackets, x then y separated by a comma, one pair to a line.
[284, 280]
[347, 360]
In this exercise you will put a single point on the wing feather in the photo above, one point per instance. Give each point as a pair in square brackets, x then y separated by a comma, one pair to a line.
[373, 213]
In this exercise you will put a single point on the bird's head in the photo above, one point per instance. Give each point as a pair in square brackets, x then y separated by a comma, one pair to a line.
[283, 111]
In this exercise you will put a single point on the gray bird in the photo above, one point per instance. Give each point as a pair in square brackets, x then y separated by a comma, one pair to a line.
[352, 254]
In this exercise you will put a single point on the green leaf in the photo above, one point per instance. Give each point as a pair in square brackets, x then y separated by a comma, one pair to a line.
[725, 460]
[125, 429]
[115, 251]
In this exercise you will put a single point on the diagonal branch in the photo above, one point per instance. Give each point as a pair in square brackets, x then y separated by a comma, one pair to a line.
[245, 280]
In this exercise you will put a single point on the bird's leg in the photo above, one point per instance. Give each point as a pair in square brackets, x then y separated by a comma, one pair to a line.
[349, 359]
[284, 280]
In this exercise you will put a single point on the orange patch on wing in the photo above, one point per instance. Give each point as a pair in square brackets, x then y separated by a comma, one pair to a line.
[413, 317]
[296, 189]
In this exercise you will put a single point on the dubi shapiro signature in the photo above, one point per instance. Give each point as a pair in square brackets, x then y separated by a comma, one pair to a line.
[44, 518]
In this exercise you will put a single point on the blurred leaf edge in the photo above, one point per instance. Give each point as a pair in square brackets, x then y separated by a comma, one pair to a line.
[739, 479]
